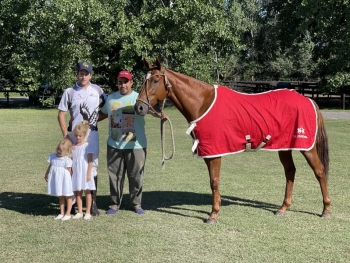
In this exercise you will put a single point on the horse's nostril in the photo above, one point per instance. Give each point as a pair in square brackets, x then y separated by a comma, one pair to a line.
[140, 108]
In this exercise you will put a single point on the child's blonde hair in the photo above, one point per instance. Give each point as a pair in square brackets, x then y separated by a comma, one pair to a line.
[64, 148]
[82, 127]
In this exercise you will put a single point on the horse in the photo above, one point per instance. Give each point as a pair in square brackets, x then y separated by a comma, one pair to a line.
[194, 99]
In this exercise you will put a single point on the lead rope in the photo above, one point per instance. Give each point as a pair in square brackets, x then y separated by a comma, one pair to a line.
[162, 121]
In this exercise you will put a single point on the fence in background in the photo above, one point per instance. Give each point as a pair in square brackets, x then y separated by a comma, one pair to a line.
[7, 92]
[308, 89]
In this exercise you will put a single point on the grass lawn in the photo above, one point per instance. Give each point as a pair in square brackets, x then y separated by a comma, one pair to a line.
[177, 200]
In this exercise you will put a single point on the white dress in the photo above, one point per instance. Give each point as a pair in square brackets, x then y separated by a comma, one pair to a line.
[59, 179]
[80, 167]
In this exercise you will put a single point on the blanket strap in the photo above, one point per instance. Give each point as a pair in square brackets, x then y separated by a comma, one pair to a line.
[194, 146]
[195, 141]
[248, 146]
[190, 128]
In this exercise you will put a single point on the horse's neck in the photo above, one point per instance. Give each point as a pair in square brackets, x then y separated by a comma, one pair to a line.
[190, 96]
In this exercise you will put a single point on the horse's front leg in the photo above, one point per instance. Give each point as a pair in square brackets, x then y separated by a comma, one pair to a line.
[214, 165]
[289, 171]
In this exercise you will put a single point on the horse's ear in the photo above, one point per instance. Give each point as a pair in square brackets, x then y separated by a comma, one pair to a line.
[147, 64]
[158, 64]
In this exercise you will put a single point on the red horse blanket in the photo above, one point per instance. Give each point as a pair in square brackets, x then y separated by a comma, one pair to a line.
[236, 122]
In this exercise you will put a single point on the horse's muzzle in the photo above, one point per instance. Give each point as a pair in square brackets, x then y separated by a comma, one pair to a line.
[141, 108]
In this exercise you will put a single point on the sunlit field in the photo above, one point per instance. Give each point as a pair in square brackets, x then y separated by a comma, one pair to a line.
[177, 200]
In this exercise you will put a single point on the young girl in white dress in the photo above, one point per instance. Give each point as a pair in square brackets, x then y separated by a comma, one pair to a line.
[82, 178]
[59, 177]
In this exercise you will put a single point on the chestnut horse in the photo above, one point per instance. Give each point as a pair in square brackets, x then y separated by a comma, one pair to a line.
[193, 98]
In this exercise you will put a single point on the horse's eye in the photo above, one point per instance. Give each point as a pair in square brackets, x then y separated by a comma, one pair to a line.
[155, 81]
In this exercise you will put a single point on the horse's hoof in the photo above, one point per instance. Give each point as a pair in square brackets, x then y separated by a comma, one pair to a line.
[279, 213]
[326, 215]
[211, 221]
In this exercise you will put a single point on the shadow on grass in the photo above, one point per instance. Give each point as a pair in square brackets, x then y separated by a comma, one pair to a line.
[170, 202]
[161, 201]
[29, 203]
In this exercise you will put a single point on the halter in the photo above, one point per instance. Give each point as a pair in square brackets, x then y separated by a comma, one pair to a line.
[167, 86]
[161, 116]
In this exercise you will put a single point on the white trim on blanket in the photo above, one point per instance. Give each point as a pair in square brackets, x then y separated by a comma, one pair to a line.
[205, 113]
[192, 124]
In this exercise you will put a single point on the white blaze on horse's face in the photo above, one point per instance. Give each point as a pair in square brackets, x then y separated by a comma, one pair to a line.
[152, 91]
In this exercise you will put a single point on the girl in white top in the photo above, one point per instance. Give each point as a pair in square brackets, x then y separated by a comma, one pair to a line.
[58, 177]
[82, 178]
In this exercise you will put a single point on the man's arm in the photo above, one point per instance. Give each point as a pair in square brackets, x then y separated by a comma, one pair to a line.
[61, 117]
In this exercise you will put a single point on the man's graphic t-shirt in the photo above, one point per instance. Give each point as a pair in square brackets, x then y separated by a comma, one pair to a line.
[83, 104]
[126, 129]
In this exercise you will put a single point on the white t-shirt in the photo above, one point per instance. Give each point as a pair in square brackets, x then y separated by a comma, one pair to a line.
[83, 104]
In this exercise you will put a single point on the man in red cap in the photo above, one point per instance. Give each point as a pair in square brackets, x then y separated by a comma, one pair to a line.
[126, 144]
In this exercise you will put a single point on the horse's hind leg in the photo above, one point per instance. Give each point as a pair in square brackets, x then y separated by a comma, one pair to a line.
[289, 171]
[319, 171]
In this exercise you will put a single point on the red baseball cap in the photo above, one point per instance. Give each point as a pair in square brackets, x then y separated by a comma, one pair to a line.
[125, 74]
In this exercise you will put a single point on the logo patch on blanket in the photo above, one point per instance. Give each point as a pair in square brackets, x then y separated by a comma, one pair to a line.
[236, 122]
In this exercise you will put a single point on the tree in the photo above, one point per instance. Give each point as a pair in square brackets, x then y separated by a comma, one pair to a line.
[50, 37]
[318, 30]
[42, 40]
[193, 37]
[10, 28]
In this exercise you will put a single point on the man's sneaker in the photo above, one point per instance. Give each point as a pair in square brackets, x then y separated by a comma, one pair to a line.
[94, 210]
[140, 211]
[111, 211]
[78, 216]
[59, 217]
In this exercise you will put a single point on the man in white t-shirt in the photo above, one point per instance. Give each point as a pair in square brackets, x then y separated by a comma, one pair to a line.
[83, 101]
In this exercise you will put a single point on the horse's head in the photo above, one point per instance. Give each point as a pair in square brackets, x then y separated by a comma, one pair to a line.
[155, 88]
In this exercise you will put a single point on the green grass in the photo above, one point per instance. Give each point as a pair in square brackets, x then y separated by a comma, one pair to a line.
[177, 200]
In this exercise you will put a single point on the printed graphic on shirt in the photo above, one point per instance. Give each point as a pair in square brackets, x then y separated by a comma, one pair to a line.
[83, 104]
[88, 116]
[122, 122]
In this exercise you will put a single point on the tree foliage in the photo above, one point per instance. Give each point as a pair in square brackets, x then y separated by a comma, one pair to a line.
[319, 32]
[42, 40]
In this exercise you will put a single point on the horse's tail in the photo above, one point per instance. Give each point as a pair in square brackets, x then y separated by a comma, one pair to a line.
[322, 141]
